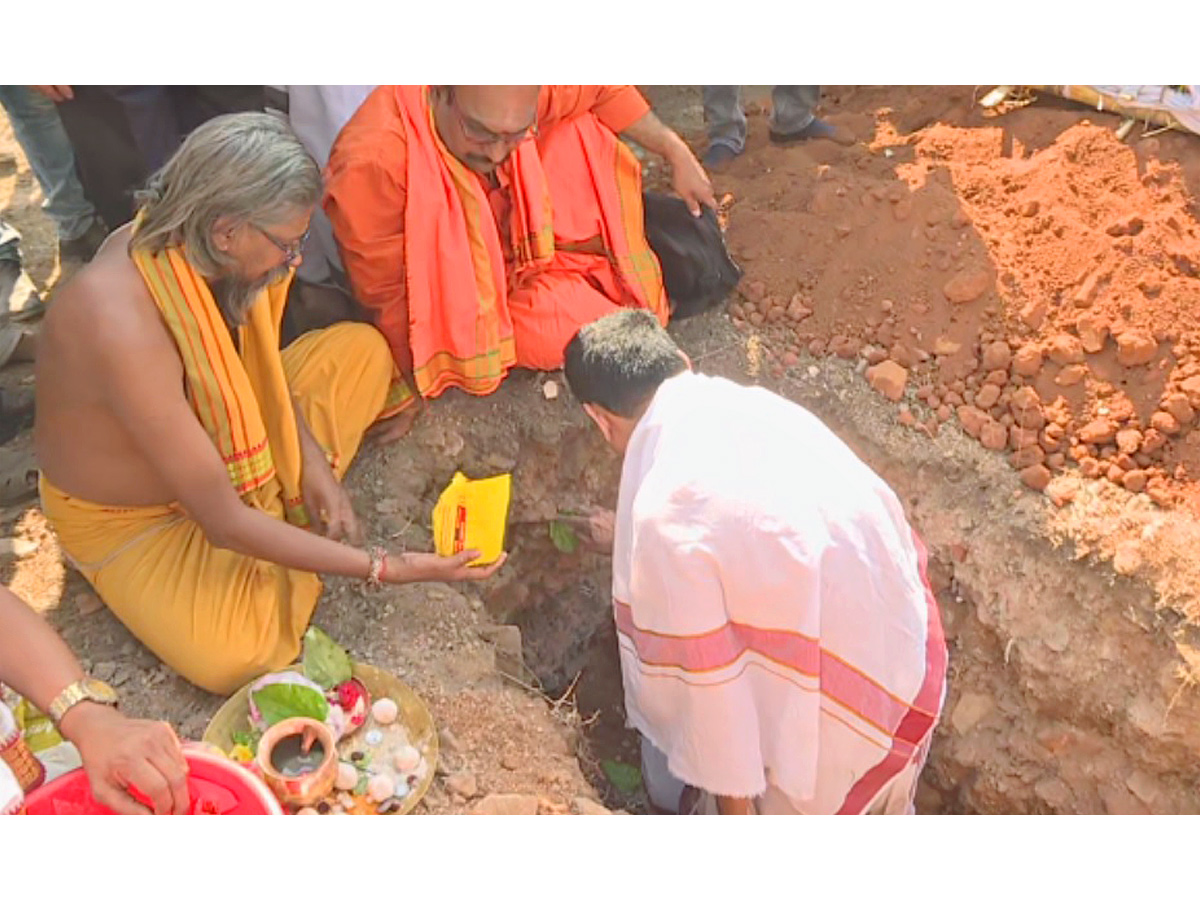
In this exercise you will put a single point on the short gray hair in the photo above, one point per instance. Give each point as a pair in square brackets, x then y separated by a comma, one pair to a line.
[249, 167]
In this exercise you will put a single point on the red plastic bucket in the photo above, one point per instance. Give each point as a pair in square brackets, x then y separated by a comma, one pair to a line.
[216, 787]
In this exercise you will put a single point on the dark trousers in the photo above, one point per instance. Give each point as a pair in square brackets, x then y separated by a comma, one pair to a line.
[123, 133]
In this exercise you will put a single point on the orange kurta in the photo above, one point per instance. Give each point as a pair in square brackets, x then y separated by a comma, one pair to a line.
[466, 281]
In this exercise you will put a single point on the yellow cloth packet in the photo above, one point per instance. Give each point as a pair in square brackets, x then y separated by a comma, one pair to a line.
[37, 728]
[471, 515]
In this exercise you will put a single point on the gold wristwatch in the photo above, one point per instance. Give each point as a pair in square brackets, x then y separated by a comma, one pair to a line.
[84, 689]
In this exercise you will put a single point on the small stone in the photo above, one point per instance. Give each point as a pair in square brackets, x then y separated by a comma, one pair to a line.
[889, 378]
[969, 711]
[1129, 440]
[1179, 407]
[987, 397]
[550, 390]
[1136, 347]
[1020, 438]
[507, 805]
[996, 355]
[1025, 399]
[1065, 350]
[1153, 440]
[1090, 467]
[943, 346]
[972, 420]
[1164, 422]
[906, 418]
[1098, 431]
[1127, 558]
[449, 740]
[584, 806]
[1191, 389]
[1135, 480]
[874, 355]
[387, 506]
[1051, 437]
[967, 286]
[1061, 492]
[1092, 333]
[463, 785]
[1027, 361]
[1036, 477]
[1071, 375]
[1030, 208]
[87, 603]
[756, 290]
[993, 435]
[1033, 313]
[374, 737]
[306, 811]
[1027, 456]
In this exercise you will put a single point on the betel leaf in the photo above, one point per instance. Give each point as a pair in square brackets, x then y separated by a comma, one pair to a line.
[325, 662]
[277, 702]
[625, 778]
[564, 537]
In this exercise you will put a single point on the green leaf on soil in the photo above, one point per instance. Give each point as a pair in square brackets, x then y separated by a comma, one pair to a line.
[625, 778]
[281, 701]
[325, 662]
[564, 537]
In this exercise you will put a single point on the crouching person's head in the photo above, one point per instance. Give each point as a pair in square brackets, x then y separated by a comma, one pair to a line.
[615, 364]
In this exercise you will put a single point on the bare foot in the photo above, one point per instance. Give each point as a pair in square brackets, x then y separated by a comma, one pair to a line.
[390, 430]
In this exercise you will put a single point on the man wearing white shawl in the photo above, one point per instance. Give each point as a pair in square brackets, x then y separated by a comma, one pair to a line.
[780, 648]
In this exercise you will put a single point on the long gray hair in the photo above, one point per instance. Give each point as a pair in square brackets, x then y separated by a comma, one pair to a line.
[248, 167]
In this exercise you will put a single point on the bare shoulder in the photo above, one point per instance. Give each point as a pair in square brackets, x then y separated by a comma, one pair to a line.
[106, 311]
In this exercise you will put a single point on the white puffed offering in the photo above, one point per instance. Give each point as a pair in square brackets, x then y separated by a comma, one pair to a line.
[384, 710]
[347, 777]
[406, 758]
[380, 787]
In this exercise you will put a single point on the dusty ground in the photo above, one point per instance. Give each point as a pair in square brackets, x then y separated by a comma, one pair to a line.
[1028, 276]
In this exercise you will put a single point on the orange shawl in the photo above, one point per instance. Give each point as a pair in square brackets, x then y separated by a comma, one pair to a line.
[460, 329]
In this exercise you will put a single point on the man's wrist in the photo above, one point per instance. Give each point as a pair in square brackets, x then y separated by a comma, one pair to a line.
[79, 720]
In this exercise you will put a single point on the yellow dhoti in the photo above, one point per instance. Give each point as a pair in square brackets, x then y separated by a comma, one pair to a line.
[215, 616]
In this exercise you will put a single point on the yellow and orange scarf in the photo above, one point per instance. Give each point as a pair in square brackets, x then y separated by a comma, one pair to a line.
[241, 399]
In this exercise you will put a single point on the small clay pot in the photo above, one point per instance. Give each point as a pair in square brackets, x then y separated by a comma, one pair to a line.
[280, 747]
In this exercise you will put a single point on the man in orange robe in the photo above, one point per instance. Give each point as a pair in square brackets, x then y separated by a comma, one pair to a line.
[482, 226]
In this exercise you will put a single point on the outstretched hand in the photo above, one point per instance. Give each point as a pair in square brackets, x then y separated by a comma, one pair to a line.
[691, 183]
[120, 754]
[432, 567]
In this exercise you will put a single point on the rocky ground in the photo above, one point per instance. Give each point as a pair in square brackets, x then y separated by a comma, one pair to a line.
[996, 311]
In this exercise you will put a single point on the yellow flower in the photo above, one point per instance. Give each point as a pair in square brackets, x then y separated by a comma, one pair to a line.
[241, 753]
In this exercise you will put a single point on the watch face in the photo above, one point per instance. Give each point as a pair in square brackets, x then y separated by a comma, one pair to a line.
[99, 691]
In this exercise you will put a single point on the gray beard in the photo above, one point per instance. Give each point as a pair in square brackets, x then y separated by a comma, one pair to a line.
[234, 296]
